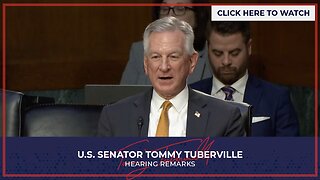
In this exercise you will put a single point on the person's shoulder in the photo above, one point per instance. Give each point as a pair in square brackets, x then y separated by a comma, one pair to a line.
[201, 83]
[203, 53]
[137, 45]
[136, 51]
[128, 101]
[269, 86]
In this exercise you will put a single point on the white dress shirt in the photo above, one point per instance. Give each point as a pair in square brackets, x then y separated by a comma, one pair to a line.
[239, 86]
[177, 114]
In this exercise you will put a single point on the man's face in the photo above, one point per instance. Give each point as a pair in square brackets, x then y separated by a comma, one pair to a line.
[188, 17]
[167, 63]
[229, 56]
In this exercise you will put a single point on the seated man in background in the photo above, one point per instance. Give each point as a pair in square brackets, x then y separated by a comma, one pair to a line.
[170, 108]
[229, 45]
[197, 17]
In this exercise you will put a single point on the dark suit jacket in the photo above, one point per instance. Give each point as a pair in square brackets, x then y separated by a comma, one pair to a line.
[126, 117]
[268, 100]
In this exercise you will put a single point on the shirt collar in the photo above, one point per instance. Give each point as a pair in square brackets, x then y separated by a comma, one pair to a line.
[239, 85]
[178, 102]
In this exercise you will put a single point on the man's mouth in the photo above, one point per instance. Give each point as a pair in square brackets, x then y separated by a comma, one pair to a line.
[165, 78]
[227, 71]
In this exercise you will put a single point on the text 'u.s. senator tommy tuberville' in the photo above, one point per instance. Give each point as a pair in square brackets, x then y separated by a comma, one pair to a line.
[160, 158]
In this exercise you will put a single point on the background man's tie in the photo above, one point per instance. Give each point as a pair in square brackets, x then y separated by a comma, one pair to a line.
[228, 90]
[163, 124]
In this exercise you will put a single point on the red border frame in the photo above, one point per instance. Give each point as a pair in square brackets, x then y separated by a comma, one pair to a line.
[4, 174]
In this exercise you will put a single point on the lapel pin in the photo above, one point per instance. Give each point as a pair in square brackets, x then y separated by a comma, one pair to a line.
[197, 114]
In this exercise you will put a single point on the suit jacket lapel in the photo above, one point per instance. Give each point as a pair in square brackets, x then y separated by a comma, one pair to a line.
[197, 116]
[252, 94]
[208, 86]
[143, 110]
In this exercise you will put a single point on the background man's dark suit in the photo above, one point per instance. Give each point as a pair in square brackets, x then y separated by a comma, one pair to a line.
[216, 118]
[268, 100]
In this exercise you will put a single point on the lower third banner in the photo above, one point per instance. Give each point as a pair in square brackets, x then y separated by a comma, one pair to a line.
[159, 156]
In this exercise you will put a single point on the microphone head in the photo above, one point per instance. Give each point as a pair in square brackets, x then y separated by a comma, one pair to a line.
[140, 121]
[140, 124]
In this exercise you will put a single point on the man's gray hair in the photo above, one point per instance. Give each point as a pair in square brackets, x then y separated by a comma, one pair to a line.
[169, 24]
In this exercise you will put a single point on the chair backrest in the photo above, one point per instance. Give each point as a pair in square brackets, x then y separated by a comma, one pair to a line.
[61, 120]
[16, 103]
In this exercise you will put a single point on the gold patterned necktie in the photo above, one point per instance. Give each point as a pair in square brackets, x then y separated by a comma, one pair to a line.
[163, 124]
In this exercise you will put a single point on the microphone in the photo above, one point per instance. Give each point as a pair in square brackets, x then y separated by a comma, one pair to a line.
[140, 124]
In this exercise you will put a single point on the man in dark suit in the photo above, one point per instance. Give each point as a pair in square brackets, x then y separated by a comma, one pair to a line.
[229, 45]
[170, 108]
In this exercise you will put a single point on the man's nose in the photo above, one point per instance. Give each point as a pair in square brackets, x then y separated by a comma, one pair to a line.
[226, 60]
[165, 65]
[171, 13]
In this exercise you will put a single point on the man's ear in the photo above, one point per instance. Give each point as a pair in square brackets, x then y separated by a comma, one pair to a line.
[193, 61]
[145, 65]
[249, 47]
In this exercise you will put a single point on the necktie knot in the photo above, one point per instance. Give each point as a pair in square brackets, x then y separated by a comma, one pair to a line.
[228, 91]
[166, 105]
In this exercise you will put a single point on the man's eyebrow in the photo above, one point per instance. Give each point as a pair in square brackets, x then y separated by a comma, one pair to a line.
[216, 50]
[233, 50]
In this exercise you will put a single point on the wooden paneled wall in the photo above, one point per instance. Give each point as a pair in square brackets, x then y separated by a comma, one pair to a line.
[68, 47]
[284, 52]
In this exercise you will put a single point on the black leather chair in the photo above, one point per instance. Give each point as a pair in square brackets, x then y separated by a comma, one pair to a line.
[16, 103]
[61, 120]
[72, 120]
